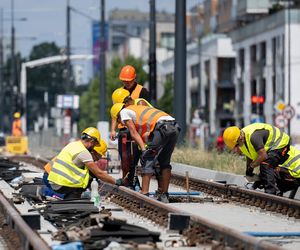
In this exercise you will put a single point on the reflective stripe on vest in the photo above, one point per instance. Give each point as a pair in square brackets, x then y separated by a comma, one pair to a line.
[146, 119]
[276, 139]
[293, 162]
[64, 172]
[136, 102]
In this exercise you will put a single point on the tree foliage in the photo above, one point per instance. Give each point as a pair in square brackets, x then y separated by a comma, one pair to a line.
[165, 103]
[43, 78]
[89, 101]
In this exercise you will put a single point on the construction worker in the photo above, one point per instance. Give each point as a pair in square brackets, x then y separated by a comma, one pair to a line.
[128, 77]
[16, 129]
[264, 145]
[130, 160]
[159, 131]
[70, 171]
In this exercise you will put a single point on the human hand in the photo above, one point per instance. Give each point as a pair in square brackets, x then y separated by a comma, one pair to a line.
[120, 182]
[112, 135]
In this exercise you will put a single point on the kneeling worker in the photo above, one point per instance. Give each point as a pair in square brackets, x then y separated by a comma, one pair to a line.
[70, 172]
[265, 146]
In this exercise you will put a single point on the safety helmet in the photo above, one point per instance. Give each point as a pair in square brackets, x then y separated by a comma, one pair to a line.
[17, 115]
[231, 136]
[115, 110]
[102, 148]
[127, 73]
[119, 95]
[93, 133]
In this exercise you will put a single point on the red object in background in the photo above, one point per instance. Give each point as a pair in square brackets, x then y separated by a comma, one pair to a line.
[102, 164]
[220, 145]
[258, 99]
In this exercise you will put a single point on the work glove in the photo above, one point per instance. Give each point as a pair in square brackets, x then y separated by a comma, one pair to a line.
[120, 182]
[249, 171]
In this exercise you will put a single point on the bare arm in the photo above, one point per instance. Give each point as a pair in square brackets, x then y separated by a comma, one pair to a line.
[262, 156]
[113, 129]
[102, 175]
[134, 134]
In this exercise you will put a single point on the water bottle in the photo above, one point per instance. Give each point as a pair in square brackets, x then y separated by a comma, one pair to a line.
[95, 197]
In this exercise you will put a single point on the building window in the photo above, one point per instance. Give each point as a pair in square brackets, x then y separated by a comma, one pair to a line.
[167, 40]
[263, 53]
[242, 59]
[195, 70]
[253, 53]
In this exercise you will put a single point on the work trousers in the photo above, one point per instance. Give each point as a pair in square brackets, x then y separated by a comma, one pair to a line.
[269, 177]
[161, 145]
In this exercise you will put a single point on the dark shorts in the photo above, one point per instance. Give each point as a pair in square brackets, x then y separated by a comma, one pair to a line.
[162, 142]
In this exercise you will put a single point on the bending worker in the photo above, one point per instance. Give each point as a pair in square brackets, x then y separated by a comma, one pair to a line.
[264, 145]
[130, 160]
[160, 131]
[70, 172]
[16, 129]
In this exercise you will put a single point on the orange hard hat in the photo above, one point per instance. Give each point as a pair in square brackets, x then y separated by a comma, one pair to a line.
[127, 73]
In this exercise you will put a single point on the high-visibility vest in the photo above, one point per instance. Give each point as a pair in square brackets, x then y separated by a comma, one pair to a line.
[146, 118]
[64, 172]
[49, 165]
[292, 164]
[276, 139]
[136, 92]
[136, 102]
[16, 128]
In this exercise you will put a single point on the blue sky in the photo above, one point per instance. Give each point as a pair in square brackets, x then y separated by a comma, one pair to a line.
[46, 20]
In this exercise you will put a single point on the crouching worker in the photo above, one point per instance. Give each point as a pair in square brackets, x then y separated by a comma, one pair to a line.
[72, 167]
[159, 131]
[265, 146]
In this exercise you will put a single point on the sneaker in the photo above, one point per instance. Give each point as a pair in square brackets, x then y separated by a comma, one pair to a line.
[164, 198]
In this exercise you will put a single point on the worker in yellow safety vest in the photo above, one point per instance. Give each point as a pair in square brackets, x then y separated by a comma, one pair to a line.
[16, 129]
[159, 131]
[70, 170]
[264, 145]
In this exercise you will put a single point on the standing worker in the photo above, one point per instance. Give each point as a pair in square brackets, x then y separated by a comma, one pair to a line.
[160, 132]
[70, 171]
[126, 149]
[264, 145]
[16, 129]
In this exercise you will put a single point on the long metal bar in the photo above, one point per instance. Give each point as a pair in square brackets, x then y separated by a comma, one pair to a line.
[180, 67]
[102, 101]
[35, 241]
[68, 50]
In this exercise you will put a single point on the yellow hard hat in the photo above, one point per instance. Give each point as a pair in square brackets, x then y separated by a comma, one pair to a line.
[127, 73]
[115, 110]
[17, 115]
[119, 95]
[231, 136]
[92, 132]
[102, 148]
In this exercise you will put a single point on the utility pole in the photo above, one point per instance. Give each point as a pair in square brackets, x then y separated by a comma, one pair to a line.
[102, 103]
[68, 50]
[180, 67]
[289, 63]
[1, 69]
[152, 54]
[12, 48]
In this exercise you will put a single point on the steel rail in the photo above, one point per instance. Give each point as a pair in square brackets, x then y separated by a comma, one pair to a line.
[30, 238]
[201, 231]
[234, 193]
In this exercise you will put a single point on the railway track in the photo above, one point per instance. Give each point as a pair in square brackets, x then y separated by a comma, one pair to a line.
[200, 232]
[240, 195]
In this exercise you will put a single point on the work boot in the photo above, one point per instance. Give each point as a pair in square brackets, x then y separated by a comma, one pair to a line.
[164, 197]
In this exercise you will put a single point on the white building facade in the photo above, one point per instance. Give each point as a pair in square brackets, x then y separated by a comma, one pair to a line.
[262, 69]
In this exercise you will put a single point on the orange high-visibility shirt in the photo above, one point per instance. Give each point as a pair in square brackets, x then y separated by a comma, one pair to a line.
[16, 128]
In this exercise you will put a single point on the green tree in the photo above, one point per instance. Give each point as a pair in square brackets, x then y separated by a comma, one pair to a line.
[44, 78]
[165, 103]
[89, 101]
